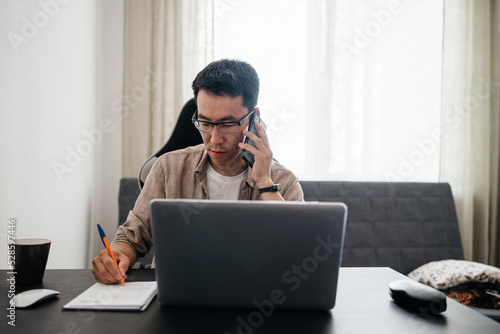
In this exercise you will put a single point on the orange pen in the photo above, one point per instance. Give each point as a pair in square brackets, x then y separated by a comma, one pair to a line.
[105, 242]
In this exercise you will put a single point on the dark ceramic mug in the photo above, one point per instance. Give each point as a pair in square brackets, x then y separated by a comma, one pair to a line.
[31, 257]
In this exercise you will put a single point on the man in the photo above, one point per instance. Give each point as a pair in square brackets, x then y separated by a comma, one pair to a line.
[226, 94]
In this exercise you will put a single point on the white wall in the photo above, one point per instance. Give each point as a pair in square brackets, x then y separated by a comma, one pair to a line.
[108, 164]
[53, 93]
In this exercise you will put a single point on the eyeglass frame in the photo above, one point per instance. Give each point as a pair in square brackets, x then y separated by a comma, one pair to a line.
[217, 125]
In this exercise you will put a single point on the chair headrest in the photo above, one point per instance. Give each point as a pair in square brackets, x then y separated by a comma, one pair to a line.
[143, 173]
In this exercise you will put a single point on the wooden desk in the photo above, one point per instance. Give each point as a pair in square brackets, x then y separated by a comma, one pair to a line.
[363, 306]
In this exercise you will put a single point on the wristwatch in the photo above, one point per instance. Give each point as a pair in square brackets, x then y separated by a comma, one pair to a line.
[273, 188]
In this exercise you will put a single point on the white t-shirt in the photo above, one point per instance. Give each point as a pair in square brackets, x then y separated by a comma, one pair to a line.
[224, 187]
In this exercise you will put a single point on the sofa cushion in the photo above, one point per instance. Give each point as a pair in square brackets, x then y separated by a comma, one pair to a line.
[401, 225]
[446, 274]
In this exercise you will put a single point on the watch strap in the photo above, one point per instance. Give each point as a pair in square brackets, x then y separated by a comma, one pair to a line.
[273, 188]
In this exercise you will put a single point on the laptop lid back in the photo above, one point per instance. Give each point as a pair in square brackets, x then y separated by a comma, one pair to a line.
[246, 254]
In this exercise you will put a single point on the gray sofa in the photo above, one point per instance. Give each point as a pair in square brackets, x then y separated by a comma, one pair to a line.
[390, 224]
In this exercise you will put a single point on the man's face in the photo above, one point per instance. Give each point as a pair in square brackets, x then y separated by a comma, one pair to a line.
[223, 149]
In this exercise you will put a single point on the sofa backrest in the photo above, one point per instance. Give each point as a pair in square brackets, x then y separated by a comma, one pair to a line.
[401, 225]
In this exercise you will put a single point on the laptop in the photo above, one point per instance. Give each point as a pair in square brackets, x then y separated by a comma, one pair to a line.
[247, 254]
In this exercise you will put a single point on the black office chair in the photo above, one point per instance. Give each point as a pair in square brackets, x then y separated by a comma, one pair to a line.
[185, 134]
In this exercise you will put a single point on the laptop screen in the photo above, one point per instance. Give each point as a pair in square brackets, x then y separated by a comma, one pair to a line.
[245, 253]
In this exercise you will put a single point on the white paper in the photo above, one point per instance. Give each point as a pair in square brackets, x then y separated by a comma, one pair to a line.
[131, 296]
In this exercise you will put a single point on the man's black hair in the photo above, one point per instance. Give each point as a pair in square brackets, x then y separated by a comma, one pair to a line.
[229, 77]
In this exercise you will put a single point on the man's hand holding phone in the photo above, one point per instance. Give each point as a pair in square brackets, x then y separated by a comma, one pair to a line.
[262, 159]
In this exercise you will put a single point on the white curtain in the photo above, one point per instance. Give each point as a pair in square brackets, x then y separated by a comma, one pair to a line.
[167, 42]
[470, 130]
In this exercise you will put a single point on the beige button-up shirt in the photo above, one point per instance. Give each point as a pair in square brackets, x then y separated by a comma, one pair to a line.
[183, 174]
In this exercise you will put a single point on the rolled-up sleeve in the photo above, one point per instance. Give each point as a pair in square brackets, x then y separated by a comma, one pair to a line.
[136, 231]
[291, 188]
[293, 192]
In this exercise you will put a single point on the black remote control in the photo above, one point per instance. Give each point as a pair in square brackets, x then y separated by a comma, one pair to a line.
[416, 296]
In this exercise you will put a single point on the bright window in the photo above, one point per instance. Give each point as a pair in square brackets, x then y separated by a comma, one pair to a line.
[350, 90]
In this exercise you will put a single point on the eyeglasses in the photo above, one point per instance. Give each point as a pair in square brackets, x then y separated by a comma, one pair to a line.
[224, 127]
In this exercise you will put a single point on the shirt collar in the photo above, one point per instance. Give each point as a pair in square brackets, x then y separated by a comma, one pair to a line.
[202, 167]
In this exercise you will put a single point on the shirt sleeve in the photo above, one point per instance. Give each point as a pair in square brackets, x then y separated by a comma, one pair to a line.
[291, 190]
[136, 231]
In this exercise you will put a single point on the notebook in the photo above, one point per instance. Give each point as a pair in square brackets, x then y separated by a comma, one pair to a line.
[247, 254]
[133, 296]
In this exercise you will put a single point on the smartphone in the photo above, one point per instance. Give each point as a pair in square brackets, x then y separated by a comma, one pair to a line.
[247, 156]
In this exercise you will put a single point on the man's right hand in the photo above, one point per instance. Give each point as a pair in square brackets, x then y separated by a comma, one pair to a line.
[104, 268]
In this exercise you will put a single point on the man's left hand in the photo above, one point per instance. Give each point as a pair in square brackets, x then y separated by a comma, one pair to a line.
[263, 156]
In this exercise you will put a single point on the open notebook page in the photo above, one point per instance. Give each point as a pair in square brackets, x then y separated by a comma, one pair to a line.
[131, 296]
